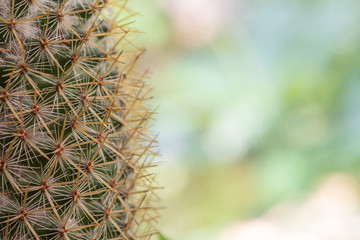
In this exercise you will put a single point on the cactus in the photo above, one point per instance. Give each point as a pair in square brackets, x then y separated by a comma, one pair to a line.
[75, 143]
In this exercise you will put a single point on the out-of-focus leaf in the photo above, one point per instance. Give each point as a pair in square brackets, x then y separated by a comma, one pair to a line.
[161, 237]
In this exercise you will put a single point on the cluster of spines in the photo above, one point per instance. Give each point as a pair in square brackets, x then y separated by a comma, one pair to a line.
[75, 145]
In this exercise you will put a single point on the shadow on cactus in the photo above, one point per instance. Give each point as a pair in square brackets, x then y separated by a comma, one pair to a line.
[75, 146]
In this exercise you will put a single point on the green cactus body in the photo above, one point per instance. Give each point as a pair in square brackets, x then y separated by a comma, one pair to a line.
[75, 146]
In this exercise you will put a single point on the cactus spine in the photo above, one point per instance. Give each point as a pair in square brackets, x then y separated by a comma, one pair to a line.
[75, 146]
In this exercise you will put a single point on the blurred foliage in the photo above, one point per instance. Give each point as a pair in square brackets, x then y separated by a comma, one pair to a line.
[161, 237]
[256, 115]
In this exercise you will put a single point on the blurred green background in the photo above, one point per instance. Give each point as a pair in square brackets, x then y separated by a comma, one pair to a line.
[259, 117]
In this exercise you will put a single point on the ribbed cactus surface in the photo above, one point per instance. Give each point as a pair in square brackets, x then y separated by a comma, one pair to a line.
[75, 145]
